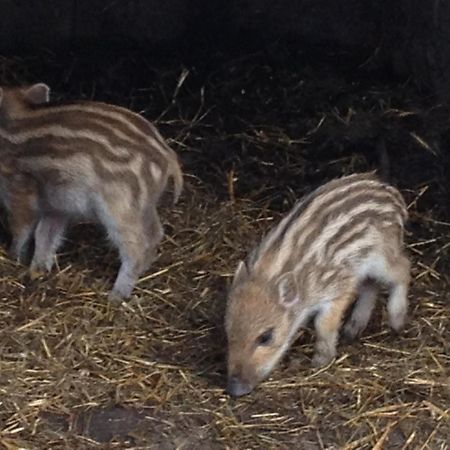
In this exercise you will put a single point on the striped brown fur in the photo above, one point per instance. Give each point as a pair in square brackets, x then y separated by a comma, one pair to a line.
[335, 245]
[60, 163]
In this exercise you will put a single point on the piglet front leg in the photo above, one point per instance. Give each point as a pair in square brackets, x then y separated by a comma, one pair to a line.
[20, 240]
[327, 324]
[48, 237]
[22, 214]
[362, 311]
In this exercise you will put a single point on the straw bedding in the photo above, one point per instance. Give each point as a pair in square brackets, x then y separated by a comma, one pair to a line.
[254, 133]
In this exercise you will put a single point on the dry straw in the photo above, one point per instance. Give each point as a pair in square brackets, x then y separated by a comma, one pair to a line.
[77, 372]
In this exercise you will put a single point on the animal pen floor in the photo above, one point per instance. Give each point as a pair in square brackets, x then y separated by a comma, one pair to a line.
[254, 133]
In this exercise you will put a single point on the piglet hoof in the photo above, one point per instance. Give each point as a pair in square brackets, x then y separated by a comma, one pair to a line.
[351, 331]
[120, 291]
[14, 255]
[321, 360]
[115, 298]
[35, 274]
[398, 331]
[397, 324]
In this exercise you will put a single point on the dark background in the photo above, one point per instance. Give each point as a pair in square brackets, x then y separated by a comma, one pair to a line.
[403, 38]
[287, 92]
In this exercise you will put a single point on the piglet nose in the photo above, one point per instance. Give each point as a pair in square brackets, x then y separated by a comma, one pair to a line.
[236, 387]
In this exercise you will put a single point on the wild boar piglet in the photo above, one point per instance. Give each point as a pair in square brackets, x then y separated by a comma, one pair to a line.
[336, 245]
[85, 160]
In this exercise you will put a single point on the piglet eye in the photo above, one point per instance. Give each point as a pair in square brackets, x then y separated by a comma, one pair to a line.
[265, 338]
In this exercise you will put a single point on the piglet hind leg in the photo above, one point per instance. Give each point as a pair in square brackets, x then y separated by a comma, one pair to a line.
[127, 277]
[48, 237]
[327, 324]
[137, 249]
[133, 257]
[397, 305]
[155, 233]
[362, 311]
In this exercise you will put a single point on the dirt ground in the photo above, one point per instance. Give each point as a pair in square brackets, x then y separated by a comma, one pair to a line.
[254, 133]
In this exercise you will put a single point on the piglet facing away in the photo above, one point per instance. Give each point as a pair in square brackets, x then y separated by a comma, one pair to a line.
[333, 247]
[82, 161]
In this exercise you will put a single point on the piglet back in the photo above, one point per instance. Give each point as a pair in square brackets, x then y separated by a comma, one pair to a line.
[329, 218]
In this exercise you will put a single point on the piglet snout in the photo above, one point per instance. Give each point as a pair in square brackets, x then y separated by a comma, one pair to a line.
[237, 387]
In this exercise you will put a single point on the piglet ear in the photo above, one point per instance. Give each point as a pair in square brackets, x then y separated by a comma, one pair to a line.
[37, 94]
[241, 273]
[288, 295]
